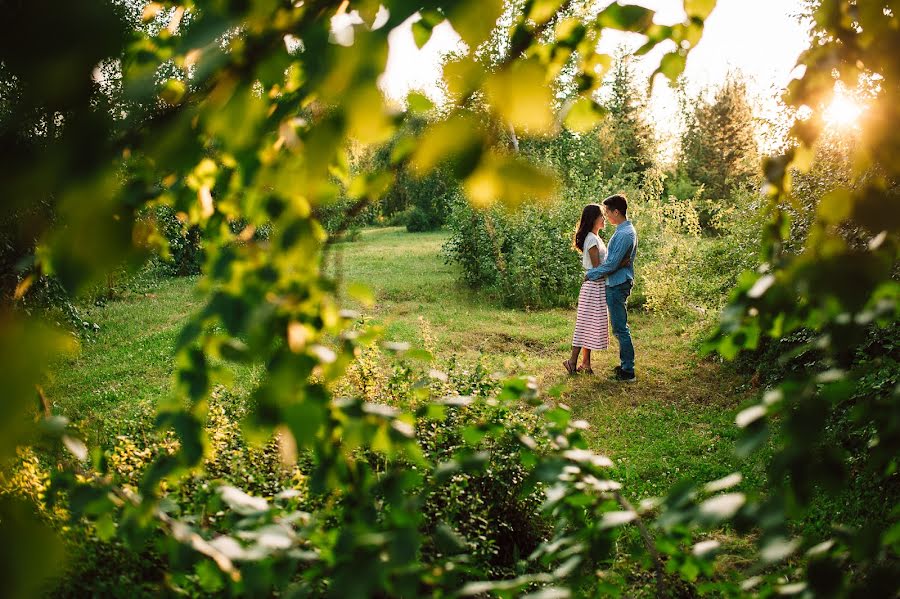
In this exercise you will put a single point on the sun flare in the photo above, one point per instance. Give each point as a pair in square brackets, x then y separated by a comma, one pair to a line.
[843, 111]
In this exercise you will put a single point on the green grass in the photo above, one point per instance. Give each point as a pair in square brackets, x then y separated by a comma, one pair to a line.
[113, 384]
[676, 422]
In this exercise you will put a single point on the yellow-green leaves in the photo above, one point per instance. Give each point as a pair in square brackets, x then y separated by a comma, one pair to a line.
[172, 91]
[626, 17]
[236, 121]
[458, 137]
[367, 120]
[510, 180]
[544, 10]
[672, 65]
[474, 21]
[462, 76]
[583, 115]
[521, 96]
[418, 103]
[423, 28]
[836, 206]
[699, 8]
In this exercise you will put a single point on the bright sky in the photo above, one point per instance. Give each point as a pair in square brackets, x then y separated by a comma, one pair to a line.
[762, 39]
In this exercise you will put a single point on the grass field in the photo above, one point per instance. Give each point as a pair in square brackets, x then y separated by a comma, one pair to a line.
[677, 421]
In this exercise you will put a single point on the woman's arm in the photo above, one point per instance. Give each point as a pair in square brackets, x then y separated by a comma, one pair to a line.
[594, 253]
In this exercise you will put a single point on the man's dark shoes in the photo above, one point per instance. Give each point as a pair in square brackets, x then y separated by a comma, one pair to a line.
[623, 376]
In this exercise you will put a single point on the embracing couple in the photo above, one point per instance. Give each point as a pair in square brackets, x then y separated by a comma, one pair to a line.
[606, 287]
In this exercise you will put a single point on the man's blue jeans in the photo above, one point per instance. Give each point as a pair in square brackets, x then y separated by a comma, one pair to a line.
[618, 315]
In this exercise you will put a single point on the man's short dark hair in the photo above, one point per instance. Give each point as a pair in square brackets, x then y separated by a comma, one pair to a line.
[617, 202]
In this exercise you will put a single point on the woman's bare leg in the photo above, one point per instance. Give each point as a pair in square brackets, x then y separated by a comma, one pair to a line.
[585, 359]
[572, 362]
[573, 359]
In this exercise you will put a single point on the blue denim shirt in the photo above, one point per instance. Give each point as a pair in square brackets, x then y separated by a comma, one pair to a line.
[623, 242]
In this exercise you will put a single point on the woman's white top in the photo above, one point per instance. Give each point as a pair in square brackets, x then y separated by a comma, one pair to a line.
[590, 241]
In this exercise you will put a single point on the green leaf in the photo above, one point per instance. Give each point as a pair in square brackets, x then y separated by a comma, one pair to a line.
[835, 206]
[361, 293]
[474, 21]
[105, 527]
[892, 538]
[721, 507]
[510, 180]
[583, 115]
[209, 577]
[521, 96]
[543, 10]
[549, 593]
[616, 518]
[172, 91]
[418, 103]
[421, 31]
[672, 65]
[447, 540]
[699, 8]
[241, 502]
[628, 17]
[777, 549]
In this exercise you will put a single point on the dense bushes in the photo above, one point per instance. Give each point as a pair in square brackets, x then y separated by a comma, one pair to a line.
[184, 254]
[524, 257]
[478, 501]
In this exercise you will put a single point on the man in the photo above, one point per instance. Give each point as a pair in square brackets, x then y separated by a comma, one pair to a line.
[618, 268]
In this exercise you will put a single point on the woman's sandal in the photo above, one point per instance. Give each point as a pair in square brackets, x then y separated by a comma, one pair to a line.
[584, 370]
[568, 366]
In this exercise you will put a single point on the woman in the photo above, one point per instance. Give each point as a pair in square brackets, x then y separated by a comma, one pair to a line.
[591, 322]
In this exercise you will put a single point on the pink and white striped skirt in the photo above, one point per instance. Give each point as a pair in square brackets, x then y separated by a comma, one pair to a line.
[592, 321]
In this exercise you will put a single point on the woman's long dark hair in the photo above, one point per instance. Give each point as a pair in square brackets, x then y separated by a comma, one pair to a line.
[588, 216]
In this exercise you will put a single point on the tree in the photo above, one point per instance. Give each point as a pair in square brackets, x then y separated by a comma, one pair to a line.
[718, 146]
[630, 136]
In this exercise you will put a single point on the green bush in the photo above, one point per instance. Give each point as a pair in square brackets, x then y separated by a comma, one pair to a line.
[525, 258]
[419, 220]
[480, 508]
[185, 244]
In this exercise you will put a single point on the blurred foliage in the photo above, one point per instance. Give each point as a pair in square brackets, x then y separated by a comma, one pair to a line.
[829, 306]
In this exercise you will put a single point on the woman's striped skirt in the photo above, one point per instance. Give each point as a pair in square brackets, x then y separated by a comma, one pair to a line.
[592, 321]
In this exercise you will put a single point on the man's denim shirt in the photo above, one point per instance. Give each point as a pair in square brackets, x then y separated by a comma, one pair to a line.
[623, 242]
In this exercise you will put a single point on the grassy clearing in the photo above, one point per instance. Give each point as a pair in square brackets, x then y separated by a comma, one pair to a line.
[112, 385]
[675, 422]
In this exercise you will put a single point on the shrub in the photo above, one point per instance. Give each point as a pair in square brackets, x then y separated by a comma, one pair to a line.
[185, 245]
[480, 507]
[419, 220]
[399, 219]
[669, 236]
[524, 257]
